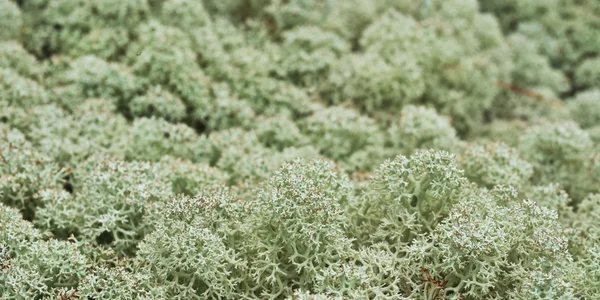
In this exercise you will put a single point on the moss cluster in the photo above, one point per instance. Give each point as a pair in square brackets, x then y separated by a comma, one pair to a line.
[299, 149]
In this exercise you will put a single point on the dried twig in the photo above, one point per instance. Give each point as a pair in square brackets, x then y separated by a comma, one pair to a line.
[528, 93]
[438, 285]
[72, 295]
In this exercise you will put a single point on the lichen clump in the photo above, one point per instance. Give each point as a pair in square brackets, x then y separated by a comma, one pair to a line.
[299, 149]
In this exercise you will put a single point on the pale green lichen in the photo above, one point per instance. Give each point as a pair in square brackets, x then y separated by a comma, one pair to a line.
[299, 149]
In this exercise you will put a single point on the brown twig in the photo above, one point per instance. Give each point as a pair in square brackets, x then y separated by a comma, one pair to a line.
[528, 93]
[72, 295]
[438, 285]
[5, 264]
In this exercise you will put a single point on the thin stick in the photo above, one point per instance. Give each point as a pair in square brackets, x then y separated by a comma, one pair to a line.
[528, 93]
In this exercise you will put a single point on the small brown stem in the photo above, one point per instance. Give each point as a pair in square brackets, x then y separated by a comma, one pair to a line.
[527, 93]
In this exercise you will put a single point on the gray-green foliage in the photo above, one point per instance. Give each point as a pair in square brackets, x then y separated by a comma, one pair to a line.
[565, 32]
[58, 26]
[93, 77]
[495, 164]
[160, 52]
[241, 154]
[93, 127]
[223, 110]
[279, 132]
[21, 91]
[202, 262]
[110, 207]
[459, 54]
[299, 213]
[299, 149]
[585, 233]
[339, 132]
[218, 244]
[32, 266]
[584, 107]
[119, 283]
[152, 138]
[24, 173]
[14, 56]
[587, 74]
[160, 103]
[237, 152]
[185, 14]
[532, 69]
[552, 196]
[526, 235]
[189, 178]
[106, 43]
[309, 53]
[11, 19]
[558, 152]
[420, 127]
[408, 196]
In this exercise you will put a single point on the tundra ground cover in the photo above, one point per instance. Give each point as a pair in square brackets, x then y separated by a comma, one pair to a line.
[299, 149]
